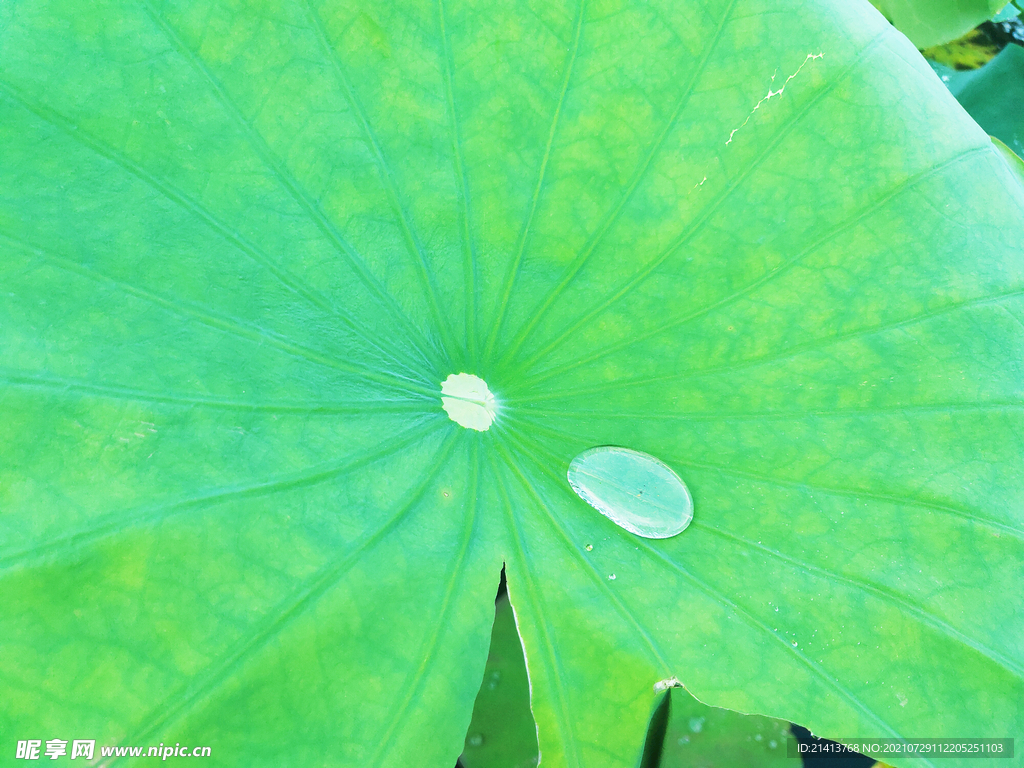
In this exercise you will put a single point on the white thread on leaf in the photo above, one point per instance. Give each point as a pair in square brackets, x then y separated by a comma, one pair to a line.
[771, 93]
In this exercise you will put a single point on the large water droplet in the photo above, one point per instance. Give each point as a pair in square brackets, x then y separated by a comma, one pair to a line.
[468, 402]
[632, 489]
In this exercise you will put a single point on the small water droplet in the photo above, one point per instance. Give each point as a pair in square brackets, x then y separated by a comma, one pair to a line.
[683, 740]
[590, 547]
[773, 744]
[757, 737]
[475, 740]
[696, 724]
[776, 609]
[493, 679]
[611, 577]
[632, 489]
[794, 643]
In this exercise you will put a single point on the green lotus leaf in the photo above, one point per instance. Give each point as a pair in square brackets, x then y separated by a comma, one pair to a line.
[934, 22]
[243, 245]
[699, 736]
[992, 95]
[1010, 11]
[502, 733]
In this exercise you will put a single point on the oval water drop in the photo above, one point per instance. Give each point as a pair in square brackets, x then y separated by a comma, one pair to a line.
[632, 489]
